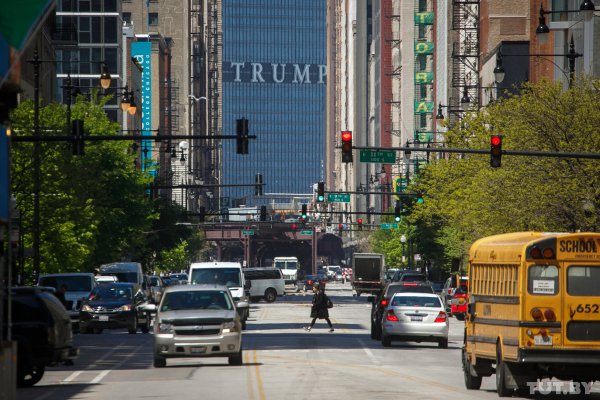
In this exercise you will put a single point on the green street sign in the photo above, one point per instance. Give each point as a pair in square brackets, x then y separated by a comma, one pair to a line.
[338, 197]
[306, 232]
[388, 226]
[378, 156]
[247, 233]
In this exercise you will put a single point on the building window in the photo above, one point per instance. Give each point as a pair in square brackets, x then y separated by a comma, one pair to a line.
[127, 17]
[152, 19]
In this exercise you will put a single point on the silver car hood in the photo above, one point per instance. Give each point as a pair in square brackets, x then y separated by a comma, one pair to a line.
[197, 315]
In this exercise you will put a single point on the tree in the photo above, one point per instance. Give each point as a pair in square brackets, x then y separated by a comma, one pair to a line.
[467, 200]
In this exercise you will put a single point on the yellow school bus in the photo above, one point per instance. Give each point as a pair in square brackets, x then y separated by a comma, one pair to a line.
[534, 310]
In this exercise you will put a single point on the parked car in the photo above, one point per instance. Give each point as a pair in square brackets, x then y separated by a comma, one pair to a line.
[453, 282]
[418, 317]
[115, 305]
[77, 285]
[381, 301]
[43, 331]
[197, 321]
[310, 280]
[156, 288]
[267, 283]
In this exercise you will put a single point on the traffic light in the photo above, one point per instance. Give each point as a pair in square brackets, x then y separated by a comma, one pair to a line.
[346, 146]
[341, 229]
[263, 213]
[201, 213]
[397, 210]
[496, 151]
[360, 226]
[294, 227]
[258, 189]
[420, 198]
[77, 133]
[242, 135]
[321, 192]
[304, 211]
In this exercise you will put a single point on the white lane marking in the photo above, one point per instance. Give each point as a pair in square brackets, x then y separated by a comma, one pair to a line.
[368, 351]
[72, 377]
[100, 376]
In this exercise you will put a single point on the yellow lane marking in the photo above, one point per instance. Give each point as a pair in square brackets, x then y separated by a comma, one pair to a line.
[249, 377]
[259, 383]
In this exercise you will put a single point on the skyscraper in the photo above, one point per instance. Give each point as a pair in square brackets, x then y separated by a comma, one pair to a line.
[274, 74]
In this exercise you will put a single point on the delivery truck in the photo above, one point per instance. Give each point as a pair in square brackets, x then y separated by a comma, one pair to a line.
[367, 272]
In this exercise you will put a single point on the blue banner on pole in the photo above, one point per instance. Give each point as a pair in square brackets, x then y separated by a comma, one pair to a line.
[142, 52]
[4, 182]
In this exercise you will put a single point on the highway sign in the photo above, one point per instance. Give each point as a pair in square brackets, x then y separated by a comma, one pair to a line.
[388, 226]
[247, 233]
[338, 197]
[306, 232]
[378, 156]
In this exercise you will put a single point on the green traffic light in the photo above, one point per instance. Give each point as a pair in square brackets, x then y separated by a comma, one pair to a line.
[397, 219]
[420, 200]
[321, 198]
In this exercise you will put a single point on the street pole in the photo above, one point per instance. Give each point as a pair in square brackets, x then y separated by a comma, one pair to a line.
[37, 150]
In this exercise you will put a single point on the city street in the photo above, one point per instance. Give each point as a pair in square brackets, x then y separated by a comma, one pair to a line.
[281, 361]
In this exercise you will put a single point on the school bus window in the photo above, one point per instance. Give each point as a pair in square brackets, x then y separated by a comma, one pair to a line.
[543, 279]
[583, 280]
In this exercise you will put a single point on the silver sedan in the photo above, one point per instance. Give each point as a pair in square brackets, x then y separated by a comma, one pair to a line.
[418, 317]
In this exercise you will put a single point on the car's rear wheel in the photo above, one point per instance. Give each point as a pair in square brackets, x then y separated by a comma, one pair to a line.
[372, 330]
[377, 331]
[443, 343]
[460, 316]
[501, 387]
[31, 377]
[270, 295]
[160, 362]
[386, 340]
[237, 359]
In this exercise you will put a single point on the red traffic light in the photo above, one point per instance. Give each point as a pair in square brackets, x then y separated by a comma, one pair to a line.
[359, 221]
[341, 227]
[294, 226]
[496, 140]
[346, 136]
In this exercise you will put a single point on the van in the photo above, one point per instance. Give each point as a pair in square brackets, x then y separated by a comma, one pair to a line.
[78, 287]
[267, 283]
[223, 273]
[289, 268]
[127, 271]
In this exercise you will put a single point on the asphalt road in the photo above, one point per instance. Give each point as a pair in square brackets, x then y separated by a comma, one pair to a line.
[281, 361]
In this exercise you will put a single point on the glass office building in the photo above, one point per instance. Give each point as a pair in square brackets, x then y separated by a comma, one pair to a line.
[274, 74]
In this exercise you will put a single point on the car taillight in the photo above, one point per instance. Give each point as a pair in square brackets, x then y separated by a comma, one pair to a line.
[310, 282]
[390, 316]
[441, 317]
[384, 302]
[537, 315]
[409, 284]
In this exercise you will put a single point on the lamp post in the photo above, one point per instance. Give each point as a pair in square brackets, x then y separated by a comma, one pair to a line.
[105, 80]
[403, 241]
[500, 73]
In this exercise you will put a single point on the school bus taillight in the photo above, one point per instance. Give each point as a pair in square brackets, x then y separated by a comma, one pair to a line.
[550, 315]
[537, 314]
[547, 253]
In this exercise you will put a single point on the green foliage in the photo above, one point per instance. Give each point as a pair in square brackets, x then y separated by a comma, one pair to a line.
[466, 199]
[174, 259]
[93, 208]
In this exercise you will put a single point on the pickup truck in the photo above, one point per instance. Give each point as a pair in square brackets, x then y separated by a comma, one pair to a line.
[368, 275]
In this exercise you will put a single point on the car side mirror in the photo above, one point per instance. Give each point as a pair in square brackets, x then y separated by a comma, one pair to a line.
[242, 304]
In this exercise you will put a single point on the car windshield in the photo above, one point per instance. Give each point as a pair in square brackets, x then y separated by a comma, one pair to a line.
[229, 277]
[196, 300]
[415, 301]
[111, 293]
[73, 283]
[154, 281]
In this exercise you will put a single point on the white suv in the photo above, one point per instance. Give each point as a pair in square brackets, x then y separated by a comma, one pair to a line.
[267, 283]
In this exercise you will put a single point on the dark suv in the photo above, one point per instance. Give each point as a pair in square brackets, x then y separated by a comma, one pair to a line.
[42, 328]
[381, 301]
[409, 275]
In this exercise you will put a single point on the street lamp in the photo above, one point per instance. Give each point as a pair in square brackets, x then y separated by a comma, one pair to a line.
[403, 241]
[499, 71]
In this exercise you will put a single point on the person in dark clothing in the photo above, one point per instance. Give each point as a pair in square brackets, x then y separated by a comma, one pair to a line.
[60, 293]
[319, 307]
